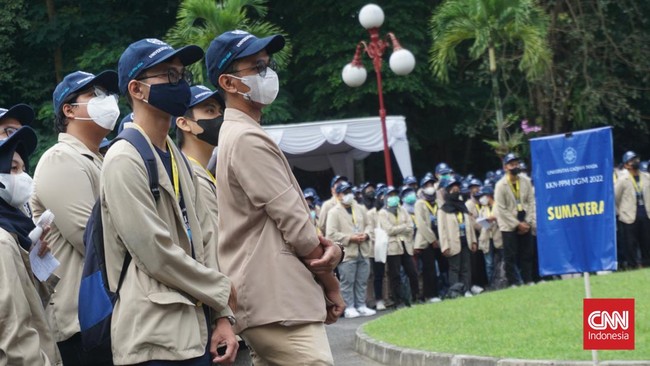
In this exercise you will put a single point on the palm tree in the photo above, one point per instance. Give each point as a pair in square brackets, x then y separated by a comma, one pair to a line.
[199, 21]
[491, 24]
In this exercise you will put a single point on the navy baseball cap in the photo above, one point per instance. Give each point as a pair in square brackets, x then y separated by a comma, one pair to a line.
[149, 52]
[234, 45]
[510, 157]
[80, 80]
[201, 93]
[22, 112]
[336, 179]
[23, 141]
[344, 186]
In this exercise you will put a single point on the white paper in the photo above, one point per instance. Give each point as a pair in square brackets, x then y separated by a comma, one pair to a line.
[483, 222]
[44, 266]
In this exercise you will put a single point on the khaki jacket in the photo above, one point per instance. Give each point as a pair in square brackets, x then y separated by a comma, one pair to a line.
[492, 232]
[424, 236]
[324, 210]
[474, 207]
[66, 181]
[371, 216]
[449, 232]
[25, 337]
[208, 192]
[341, 225]
[159, 314]
[399, 229]
[625, 196]
[506, 204]
[264, 229]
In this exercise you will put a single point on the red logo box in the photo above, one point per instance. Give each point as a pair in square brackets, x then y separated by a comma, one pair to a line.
[608, 324]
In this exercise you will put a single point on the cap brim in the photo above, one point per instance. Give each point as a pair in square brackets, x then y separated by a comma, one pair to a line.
[271, 44]
[187, 55]
[108, 79]
[22, 112]
[23, 141]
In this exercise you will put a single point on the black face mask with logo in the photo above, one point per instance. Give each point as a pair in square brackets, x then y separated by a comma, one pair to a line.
[211, 128]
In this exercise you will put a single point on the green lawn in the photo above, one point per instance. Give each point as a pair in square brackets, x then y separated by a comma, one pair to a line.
[532, 322]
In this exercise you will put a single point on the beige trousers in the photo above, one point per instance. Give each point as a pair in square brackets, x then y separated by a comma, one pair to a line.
[275, 344]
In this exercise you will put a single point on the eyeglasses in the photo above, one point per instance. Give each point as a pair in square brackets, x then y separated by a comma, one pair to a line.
[9, 131]
[173, 76]
[260, 67]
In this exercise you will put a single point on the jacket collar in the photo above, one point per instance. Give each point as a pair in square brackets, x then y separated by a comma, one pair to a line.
[79, 147]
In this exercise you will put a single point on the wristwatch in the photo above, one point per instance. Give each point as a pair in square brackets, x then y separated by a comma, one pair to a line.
[231, 319]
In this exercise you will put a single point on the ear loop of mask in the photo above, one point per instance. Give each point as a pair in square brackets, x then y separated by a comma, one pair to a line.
[246, 96]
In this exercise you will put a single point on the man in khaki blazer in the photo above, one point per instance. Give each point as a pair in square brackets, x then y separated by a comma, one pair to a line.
[172, 296]
[397, 223]
[490, 241]
[267, 243]
[347, 223]
[426, 241]
[327, 205]
[632, 196]
[515, 212]
[66, 181]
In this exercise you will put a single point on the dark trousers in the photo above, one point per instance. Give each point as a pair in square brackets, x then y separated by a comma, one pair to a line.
[636, 237]
[429, 276]
[73, 353]
[518, 252]
[460, 266]
[394, 263]
[378, 270]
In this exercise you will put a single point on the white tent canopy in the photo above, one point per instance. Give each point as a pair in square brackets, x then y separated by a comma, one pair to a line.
[314, 146]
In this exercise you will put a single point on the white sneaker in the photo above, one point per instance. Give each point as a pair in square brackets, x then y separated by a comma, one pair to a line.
[351, 313]
[380, 305]
[476, 289]
[434, 299]
[365, 311]
[468, 294]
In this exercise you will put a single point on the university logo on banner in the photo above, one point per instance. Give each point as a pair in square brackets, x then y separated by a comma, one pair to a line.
[574, 193]
[608, 324]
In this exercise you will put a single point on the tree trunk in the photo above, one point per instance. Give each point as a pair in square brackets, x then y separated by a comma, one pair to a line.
[498, 104]
[58, 54]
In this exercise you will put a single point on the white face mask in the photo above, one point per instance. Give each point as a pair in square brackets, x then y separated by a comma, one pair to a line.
[17, 189]
[103, 110]
[429, 191]
[263, 90]
[483, 201]
[347, 199]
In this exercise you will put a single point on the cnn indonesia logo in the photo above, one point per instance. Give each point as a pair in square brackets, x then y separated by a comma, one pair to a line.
[608, 324]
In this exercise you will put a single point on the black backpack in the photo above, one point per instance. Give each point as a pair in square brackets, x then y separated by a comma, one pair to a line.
[96, 300]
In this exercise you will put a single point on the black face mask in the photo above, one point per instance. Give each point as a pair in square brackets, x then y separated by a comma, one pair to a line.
[370, 195]
[379, 204]
[211, 129]
[454, 196]
[171, 99]
[515, 171]
[635, 165]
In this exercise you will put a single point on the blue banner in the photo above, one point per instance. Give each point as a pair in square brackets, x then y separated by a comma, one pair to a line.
[574, 194]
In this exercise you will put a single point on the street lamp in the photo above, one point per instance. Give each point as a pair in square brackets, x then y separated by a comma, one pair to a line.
[401, 62]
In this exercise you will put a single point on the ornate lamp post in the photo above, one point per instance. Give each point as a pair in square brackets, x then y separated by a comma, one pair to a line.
[401, 62]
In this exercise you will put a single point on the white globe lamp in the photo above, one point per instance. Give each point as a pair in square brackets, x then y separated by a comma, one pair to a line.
[402, 62]
[371, 16]
[354, 76]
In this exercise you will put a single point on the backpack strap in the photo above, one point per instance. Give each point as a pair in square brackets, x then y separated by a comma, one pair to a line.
[135, 138]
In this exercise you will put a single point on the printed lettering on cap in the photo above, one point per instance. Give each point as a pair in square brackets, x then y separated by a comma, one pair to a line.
[159, 50]
[85, 79]
[156, 41]
[237, 31]
[243, 40]
[201, 95]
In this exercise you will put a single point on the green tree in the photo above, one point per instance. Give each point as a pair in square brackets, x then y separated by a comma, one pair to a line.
[516, 29]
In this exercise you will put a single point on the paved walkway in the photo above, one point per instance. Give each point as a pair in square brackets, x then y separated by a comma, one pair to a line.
[342, 339]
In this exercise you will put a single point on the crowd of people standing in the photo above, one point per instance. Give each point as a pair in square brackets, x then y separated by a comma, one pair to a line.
[206, 260]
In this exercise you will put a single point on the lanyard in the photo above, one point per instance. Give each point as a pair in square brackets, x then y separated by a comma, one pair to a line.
[212, 178]
[434, 209]
[181, 203]
[460, 217]
[515, 190]
[636, 186]
[489, 209]
[354, 219]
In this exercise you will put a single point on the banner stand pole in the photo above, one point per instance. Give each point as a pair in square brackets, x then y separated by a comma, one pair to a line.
[594, 353]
